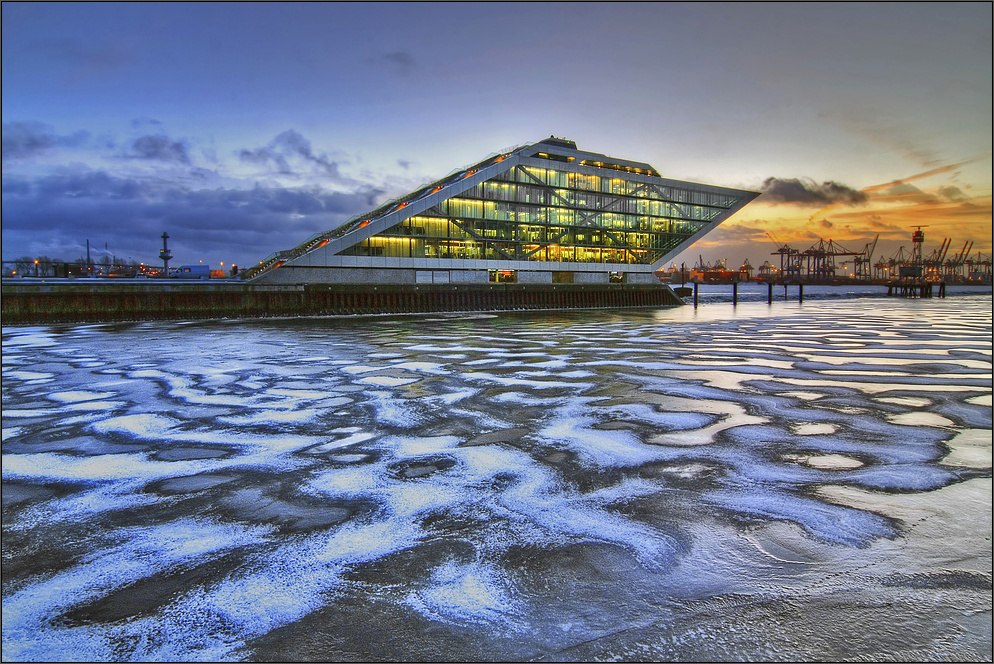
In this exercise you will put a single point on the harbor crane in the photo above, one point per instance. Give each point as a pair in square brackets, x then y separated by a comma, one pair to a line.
[953, 266]
[979, 268]
[933, 263]
[820, 259]
[790, 260]
[863, 262]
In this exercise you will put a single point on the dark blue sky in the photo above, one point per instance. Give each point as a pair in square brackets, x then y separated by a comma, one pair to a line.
[241, 129]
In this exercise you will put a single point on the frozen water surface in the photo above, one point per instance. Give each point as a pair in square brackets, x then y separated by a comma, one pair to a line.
[755, 482]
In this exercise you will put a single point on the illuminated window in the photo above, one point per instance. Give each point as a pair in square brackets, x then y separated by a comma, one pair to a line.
[552, 214]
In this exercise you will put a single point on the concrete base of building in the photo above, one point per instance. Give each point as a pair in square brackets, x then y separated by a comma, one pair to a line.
[348, 275]
[292, 275]
[534, 277]
[640, 278]
[469, 276]
[591, 277]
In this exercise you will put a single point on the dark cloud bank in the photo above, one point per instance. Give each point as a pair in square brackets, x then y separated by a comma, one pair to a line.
[810, 193]
[23, 140]
[53, 213]
[130, 214]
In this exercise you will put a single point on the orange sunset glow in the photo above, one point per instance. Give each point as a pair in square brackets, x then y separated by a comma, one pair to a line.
[947, 201]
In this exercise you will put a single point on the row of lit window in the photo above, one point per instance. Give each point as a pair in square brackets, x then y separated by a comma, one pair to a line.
[490, 192]
[542, 235]
[518, 185]
[466, 249]
[566, 180]
[443, 228]
[614, 185]
[479, 210]
[606, 240]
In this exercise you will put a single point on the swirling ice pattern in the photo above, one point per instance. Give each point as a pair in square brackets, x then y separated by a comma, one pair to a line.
[254, 470]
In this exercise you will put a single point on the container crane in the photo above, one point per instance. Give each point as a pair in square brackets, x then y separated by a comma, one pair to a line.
[790, 260]
[953, 265]
[933, 263]
[863, 261]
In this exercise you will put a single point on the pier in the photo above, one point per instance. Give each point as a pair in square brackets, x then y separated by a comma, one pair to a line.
[916, 289]
[698, 294]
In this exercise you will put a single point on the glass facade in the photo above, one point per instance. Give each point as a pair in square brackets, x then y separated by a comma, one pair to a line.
[524, 207]
[553, 214]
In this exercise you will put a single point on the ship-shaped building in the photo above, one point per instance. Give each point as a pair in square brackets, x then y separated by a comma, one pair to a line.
[546, 212]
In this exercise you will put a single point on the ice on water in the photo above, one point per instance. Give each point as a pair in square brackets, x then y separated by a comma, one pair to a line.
[493, 434]
[473, 593]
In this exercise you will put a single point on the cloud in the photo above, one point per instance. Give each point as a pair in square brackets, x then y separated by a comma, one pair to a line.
[929, 173]
[401, 62]
[100, 186]
[264, 156]
[146, 124]
[809, 193]
[53, 214]
[23, 140]
[159, 148]
[741, 232]
[52, 206]
[887, 131]
[904, 189]
[79, 63]
[396, 63]
[86, 185]
[952, 193]
[288, 146]
[903, 193]
[16, 186]
[78, 54]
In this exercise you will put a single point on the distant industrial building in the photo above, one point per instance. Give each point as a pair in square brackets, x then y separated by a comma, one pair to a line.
[544, 213]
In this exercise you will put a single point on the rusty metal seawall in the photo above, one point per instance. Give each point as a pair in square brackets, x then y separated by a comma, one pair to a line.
[44, 302]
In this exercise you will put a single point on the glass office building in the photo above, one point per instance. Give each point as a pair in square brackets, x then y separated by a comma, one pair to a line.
[542, 213]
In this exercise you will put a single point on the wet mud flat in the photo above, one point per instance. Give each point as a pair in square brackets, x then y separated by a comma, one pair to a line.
[778, 483]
